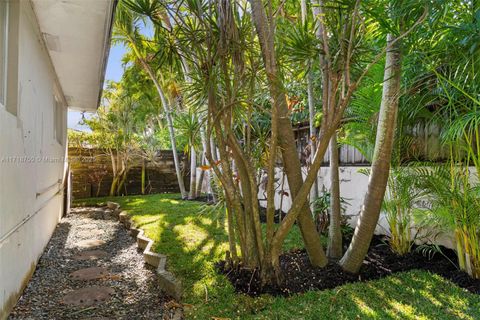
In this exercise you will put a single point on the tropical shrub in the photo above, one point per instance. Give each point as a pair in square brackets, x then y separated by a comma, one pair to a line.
[454, 209]
[399, 202]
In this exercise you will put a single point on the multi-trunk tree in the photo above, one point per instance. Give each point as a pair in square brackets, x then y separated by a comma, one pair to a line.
[237, 75]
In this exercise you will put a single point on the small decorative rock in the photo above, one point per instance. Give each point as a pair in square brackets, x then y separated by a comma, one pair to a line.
[88, 296]
[112, 205]
[89, 273]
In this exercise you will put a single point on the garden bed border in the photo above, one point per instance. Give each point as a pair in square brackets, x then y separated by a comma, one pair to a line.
[168, 282]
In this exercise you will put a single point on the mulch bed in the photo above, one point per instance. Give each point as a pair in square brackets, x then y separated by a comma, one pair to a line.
[301, 276]
[207, 199]
[277, 218]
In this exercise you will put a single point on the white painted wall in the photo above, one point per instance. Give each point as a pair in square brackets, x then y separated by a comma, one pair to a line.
[31, 165]
[353, 186]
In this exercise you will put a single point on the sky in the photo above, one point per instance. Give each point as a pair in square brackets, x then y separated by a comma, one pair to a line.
[114, 72]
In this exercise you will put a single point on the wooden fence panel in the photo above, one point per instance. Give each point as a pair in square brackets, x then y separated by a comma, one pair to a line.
[91, 171]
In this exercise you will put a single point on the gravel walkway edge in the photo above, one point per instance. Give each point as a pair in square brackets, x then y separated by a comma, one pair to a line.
[168, 282]
[91, 250]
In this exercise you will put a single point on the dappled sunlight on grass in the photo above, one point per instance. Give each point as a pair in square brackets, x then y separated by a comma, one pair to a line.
[405, 311]
[136, 202]
[195, 239]
[170, 201]
[363, 306]
[396, 297]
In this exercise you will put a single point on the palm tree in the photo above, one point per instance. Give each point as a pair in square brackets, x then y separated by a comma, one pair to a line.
[126, 32]
[353, 258]
[455, 210]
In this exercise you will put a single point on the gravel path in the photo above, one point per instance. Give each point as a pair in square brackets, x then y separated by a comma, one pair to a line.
[136, 293]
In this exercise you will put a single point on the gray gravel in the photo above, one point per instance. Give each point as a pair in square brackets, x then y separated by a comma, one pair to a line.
[137, 294]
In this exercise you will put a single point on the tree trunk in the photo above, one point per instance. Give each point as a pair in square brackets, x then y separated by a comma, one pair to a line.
[171, 129]
[313, 136]
[122, 176]
[353, 258]
[201, 177]
[265, 32]
[334, 249]
[231, 234]
[143, 176]
[311, 114]
[193, 174]
[113, 186]
[212, 186]
[205, 161]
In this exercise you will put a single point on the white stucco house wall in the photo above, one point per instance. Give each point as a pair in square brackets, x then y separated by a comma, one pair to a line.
[53, 56]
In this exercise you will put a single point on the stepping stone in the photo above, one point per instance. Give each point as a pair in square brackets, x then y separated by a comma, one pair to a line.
[90, 255]
[90, 233]
[88, 296]
[88, 226]
[89, 273]
[91, 243]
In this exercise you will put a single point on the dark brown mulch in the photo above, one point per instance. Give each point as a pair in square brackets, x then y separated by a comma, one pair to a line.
[203, 198]
[278, 217]
[301, 276]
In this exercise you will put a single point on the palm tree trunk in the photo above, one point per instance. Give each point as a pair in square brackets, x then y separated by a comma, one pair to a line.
[195, 189]
[193, 173]
[171, 129]
[334, 248]
[201, 177]
[213, 148]
[353, 258]
[204, 141]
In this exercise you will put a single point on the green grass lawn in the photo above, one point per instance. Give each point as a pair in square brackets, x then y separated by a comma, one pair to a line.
[194, 239]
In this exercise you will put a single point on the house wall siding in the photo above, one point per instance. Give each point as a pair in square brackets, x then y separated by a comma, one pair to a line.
[31, 164]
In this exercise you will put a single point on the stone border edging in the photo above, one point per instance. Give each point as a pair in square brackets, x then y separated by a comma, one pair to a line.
[168, 282]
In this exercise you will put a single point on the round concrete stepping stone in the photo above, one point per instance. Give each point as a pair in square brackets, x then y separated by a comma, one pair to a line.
[89, 273]
[90, 233]
[88, 296]
[90, 255]
[90, 243]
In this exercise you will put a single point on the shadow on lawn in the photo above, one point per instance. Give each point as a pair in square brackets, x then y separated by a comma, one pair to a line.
[192, 240]
[409, 295]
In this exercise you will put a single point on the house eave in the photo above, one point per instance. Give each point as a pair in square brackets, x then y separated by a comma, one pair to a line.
[77, 36]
